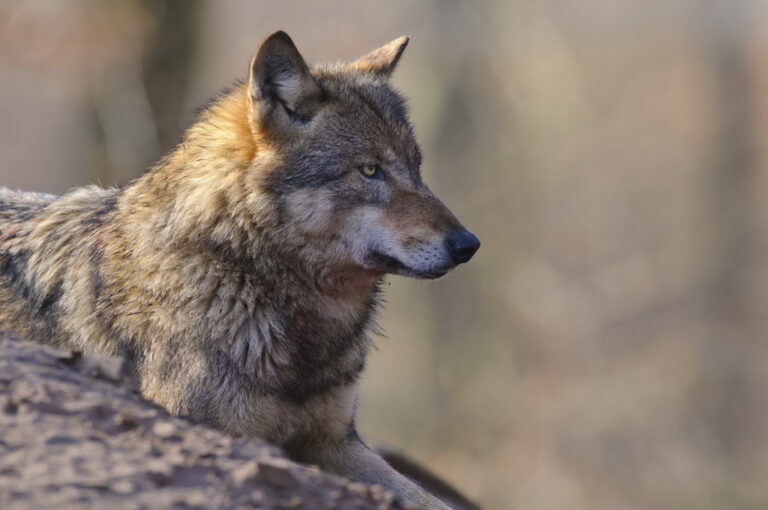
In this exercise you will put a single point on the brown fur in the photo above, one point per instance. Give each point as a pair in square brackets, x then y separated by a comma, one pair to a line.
[242, 271]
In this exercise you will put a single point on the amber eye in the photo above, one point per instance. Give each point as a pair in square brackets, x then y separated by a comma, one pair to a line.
[372, 171]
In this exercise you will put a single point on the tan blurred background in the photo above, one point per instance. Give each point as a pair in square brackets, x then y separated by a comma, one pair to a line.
[606, 347]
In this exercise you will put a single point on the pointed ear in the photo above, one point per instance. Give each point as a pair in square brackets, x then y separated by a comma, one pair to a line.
[280, 84]
[382, 62]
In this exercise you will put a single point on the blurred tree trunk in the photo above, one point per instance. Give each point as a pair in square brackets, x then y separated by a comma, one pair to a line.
[727, 387]
[136, 99]
[168, 62]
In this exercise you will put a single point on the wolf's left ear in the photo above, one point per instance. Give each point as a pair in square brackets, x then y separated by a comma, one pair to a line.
[381, 62]
[280, 84]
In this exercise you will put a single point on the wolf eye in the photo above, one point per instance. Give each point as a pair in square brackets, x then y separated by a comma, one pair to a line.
[372, 171]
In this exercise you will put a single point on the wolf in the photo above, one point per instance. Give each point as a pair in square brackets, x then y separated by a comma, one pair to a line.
[242, 272]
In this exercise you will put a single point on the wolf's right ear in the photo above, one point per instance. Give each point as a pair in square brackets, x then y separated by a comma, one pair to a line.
[280, 85]
[381, 62]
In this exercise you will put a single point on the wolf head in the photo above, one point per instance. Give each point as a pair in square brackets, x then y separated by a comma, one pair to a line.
[348, 184]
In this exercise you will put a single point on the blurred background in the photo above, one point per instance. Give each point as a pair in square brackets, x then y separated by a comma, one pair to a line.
[606, 347]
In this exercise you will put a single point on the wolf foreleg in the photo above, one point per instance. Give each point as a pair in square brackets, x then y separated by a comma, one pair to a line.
[352, 458]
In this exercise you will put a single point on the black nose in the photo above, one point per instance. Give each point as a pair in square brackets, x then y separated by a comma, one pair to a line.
[462, 244]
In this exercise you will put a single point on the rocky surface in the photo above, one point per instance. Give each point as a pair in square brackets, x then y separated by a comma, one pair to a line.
[71, 438]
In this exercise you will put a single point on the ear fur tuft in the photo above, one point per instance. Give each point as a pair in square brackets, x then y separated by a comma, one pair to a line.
[381, 62]
[280, 77]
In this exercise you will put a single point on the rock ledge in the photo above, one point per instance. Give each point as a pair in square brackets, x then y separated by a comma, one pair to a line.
[70, 437]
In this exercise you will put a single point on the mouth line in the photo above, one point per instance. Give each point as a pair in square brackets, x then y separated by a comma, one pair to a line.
[432, 275]
[386, 261]
[395, 266]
